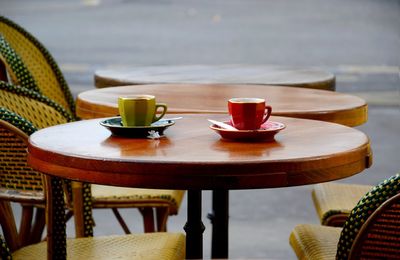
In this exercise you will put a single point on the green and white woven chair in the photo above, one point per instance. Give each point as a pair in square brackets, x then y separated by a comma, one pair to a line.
[35, 68]
[30, 104]
[30, 65]
[19, 183]
[372, 230]
[26, 185]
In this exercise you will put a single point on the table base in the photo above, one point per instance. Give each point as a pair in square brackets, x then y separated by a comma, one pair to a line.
[194, 226]
[220, 224]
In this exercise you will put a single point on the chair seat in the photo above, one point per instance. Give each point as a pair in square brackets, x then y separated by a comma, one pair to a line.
[334, 201]
[103, 196]
[137, 246]
[315, 241]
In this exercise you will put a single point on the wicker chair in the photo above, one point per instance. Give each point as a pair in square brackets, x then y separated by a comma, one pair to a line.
[18, 183]
[40, 110]
[334, 201]
[26, 186]
[372, 230]
[43, 74]
[30, 65]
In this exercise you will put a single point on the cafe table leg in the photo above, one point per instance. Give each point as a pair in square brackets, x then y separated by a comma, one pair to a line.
[220, 224]
[194, 226]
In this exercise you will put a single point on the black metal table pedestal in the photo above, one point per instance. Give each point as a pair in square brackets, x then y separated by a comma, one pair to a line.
[194, 226]
[220, 224]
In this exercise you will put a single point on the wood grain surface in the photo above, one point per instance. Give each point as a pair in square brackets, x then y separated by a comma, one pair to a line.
[192, 156]
[226, 74]
[212, 98]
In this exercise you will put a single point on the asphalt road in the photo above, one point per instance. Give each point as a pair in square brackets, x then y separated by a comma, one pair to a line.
[358, 40]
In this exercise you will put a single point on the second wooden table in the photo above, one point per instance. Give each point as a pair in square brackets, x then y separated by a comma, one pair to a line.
[212, 98]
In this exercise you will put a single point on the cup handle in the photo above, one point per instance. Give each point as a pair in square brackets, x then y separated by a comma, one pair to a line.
[164, 106]
[268, 114]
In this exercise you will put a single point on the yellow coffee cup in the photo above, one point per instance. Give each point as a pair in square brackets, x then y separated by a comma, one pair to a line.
[140, 110]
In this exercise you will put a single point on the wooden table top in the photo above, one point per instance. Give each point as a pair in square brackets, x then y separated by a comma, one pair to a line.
[224, 74]
[192, 156]
[212, 98]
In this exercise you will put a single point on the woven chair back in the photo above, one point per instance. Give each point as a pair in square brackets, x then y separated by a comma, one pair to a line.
[23, 111]
[32, 111]
[38, 109]
[20, 183]
[373, 226]
[15, 174]
[39, 63]
[379, 237]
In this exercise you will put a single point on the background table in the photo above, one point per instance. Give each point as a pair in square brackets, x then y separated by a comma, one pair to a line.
[212, 98]
[193, 157]
[226, 74]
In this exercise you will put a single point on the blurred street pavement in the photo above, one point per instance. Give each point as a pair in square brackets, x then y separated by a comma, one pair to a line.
[357, 40]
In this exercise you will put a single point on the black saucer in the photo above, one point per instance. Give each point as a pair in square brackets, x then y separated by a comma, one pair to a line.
[114, 124]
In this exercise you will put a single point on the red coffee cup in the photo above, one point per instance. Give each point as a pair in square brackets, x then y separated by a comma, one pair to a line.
[248, 113]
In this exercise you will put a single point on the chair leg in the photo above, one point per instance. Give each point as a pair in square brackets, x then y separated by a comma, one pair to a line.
[121, 221]
[148, 219]
[162, 218]
[78, 208]
[7, 222]
[26, 224]
[38, 226]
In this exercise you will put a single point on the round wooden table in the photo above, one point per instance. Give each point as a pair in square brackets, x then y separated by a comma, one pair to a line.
[212, 98]
[191, 156]
[226, 74]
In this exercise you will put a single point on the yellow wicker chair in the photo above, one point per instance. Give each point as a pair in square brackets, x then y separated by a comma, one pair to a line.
[47, 77]
[19, 183]
[26, 186]
[372, 230]
[29, 64]
[40, 110]
[334, 201]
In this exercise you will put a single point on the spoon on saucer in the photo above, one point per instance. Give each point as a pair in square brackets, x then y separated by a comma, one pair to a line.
[173, 118]
[222, 125]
